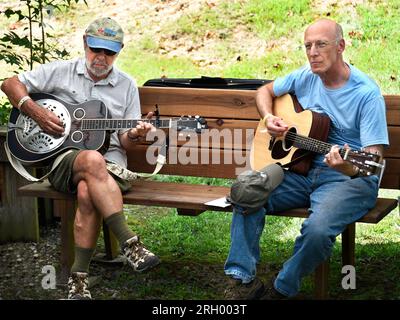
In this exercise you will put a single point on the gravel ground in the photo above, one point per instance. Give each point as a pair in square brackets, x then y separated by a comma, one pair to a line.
[21, 266]
[23, 276]
[25, 267]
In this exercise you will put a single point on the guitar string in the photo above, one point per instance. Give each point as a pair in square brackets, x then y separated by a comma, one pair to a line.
[308, 142]
[313, 145]
[88, 124]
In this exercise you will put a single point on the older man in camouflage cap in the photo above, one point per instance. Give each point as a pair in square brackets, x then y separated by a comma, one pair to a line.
[102, 35]
[86, 173]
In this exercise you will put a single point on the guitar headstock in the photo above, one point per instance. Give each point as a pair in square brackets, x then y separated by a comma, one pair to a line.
[190, 123]
[368, 163]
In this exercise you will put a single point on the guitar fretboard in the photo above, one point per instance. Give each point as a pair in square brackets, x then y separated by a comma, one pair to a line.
[115, 124]
[310, 144]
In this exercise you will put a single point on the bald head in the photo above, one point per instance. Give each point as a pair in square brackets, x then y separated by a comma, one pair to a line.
[324, 44]
[329, 27]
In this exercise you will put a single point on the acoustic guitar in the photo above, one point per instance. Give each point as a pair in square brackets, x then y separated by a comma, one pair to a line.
[87, 126]
[306, 136]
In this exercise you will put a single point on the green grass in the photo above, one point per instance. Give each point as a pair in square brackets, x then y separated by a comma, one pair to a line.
[377, 26]
[149, 65]
[274, 19]
[207, 19]
[195, 244]
[371, 30]
[273, 65]
[372, 40]
[190, 245]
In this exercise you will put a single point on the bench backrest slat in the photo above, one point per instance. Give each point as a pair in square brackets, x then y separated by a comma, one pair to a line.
[232, 111]
[195, 167]
[214, 103]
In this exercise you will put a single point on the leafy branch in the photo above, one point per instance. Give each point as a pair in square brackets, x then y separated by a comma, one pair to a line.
[22, 51]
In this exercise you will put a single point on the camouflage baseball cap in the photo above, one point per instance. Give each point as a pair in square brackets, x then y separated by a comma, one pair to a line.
[252, 188]
[105, 33]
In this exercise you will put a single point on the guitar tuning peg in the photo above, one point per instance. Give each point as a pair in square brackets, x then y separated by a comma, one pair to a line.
[201, 120]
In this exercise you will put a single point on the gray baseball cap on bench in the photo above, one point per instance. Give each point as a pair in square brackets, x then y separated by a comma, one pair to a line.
[252, 188]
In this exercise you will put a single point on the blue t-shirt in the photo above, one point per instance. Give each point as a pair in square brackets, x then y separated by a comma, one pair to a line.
[357, 109]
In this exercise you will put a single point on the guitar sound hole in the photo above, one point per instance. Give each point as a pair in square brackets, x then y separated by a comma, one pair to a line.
[77, 136]
[278, 152]
[79, 113]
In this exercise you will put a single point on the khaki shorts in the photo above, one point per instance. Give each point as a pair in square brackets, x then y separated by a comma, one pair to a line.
[61, 177]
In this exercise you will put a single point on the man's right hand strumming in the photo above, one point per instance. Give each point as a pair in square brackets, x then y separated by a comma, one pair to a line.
[46, 119]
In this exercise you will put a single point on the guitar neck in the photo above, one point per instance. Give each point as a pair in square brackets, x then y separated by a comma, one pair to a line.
[115, 124]
[310, 144]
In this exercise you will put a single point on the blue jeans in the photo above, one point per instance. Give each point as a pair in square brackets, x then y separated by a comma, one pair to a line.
[334, 201]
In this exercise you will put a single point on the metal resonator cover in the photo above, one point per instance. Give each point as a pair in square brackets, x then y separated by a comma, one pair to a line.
[32, 137]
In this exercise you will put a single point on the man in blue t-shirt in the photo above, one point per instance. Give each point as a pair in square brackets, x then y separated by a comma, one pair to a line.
[334, 190]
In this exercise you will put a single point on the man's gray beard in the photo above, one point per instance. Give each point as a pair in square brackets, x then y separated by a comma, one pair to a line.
[98, 72]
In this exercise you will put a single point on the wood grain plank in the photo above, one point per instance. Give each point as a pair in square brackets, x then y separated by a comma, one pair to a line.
[18, 216]
[193, 162]
[218, 103]
[393, 151]
[189, 196]
[392, 109]
[222, 134]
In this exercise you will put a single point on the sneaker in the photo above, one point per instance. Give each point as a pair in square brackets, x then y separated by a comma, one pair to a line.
[236, 290]
[139, 258]
[270, 293]
[78, 284]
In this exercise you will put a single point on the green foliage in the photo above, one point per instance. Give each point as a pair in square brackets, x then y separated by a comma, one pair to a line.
[5, 109]
[20, 51]
[40, 48]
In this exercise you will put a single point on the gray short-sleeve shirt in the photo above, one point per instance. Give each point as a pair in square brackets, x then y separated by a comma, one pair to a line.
[70, 81]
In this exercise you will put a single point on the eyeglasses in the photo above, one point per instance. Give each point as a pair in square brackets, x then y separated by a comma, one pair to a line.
[107, 52]
[319, 45]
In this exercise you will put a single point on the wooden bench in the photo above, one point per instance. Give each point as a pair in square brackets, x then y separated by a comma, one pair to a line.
[224, 110]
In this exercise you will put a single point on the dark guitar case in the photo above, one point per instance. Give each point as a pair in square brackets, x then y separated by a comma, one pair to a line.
[208, 83]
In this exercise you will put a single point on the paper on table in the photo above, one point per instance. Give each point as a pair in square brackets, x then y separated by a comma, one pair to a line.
[221, 202]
